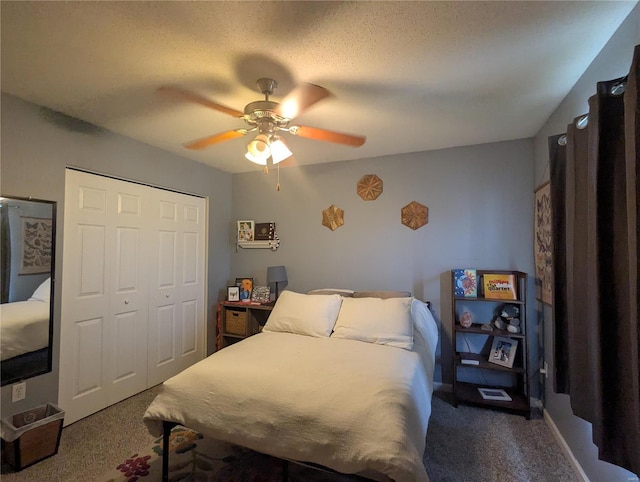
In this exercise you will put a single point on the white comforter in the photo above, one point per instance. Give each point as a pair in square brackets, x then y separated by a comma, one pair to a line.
[353, 406]
[24, 327]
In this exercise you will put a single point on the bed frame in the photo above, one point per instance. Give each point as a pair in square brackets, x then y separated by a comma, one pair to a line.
[166, 435]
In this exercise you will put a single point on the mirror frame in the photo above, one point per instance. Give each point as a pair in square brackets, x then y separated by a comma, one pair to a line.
[6, 380]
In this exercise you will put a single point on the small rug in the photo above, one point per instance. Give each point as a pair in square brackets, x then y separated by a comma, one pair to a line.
[193, 457]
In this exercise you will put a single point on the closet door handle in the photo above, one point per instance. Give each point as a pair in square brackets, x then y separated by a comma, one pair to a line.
[166, 295]
[126, 302]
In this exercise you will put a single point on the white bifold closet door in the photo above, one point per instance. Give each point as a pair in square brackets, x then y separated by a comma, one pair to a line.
[133, 290]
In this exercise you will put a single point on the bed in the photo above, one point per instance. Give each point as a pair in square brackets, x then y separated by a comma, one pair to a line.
[340, 382]
[24, 325]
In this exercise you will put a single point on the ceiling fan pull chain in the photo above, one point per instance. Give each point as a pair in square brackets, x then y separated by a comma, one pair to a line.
[266, 169]
[278, 185]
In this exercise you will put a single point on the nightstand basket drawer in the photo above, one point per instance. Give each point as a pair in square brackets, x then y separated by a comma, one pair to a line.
[235, 322]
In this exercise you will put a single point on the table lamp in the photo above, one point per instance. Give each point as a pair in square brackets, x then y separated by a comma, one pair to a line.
[276, 275]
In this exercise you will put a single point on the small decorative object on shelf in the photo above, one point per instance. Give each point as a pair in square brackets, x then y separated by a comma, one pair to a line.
[465, 283]
[503, 351]
[466, 320]
[260, 294]
[246, 230]
[265, 232]
[246, 287]
[489, 333]
[499, 286]
[233, 293]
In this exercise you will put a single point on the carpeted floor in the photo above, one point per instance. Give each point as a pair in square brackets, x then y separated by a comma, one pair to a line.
[464, 444]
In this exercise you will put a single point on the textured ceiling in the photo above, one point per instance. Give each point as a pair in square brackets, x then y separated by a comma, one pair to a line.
[410, 76]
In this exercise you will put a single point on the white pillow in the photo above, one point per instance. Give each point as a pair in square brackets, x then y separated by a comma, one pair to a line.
[331, 291]
[42, 292]
[312, 315]
[374, 320]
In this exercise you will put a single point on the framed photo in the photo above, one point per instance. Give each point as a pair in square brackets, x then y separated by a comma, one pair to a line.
[494, 394]
[542, 244]
[233, 293]
[503, 351]
[246, 230]
[260, 294]
[246, 288]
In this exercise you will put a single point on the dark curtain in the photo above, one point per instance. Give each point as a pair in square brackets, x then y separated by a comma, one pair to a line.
[5, 253]
[595, 201]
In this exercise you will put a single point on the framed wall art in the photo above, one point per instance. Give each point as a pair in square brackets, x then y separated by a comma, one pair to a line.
[36, 245]
[542, 244]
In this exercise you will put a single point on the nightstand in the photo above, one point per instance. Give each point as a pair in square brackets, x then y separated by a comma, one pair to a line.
[239, 320]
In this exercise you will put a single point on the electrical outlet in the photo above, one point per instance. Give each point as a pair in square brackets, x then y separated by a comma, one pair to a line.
[19, 391]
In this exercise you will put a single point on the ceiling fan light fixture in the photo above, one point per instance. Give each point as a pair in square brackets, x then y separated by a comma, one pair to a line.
[279, 151]
[257, 159]
[259, 147]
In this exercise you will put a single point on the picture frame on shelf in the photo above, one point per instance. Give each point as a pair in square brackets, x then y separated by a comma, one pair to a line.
[494, 394]
[246, 230]
[260, 294]
[246, 288]
[233, 293]
[503, 351]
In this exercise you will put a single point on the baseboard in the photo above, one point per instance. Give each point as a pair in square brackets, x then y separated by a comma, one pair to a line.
[565, 447]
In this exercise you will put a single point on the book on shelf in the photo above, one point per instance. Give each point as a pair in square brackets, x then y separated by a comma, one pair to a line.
[465, 283]
[468, 359]
[265, 231]
[499, 286]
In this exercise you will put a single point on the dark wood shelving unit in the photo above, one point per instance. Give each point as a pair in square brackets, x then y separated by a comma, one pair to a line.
[516, 378]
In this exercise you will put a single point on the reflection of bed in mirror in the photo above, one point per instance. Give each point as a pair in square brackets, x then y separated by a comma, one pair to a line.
[26, 262]
[24, 332]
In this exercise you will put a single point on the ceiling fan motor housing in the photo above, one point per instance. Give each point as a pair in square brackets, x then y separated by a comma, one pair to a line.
[262, 114]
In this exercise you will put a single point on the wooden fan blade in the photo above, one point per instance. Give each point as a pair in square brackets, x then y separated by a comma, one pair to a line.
[183, 94]
[215, 139]
[300, 99]
[326, 135]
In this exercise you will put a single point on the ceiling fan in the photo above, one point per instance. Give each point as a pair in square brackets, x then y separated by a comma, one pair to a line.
[269, 119]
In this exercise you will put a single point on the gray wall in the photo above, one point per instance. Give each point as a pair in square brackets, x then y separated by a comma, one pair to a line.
[612, 62]
[480, 201]
[37, 145]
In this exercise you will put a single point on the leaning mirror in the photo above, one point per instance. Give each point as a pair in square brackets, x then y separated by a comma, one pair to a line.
[27, 247]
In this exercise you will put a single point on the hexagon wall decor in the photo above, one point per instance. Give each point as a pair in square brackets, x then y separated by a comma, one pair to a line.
[415, 215]
[369, 187]
[333, 217]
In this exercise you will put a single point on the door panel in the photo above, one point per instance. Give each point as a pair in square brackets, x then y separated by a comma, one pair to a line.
[133, 304]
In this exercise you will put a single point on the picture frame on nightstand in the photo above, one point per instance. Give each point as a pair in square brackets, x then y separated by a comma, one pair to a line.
[233, 293]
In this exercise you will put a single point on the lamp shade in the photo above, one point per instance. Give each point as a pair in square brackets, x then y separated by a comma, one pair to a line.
[276, 274]
[279, 151]
[258, 160]
[259, 147]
